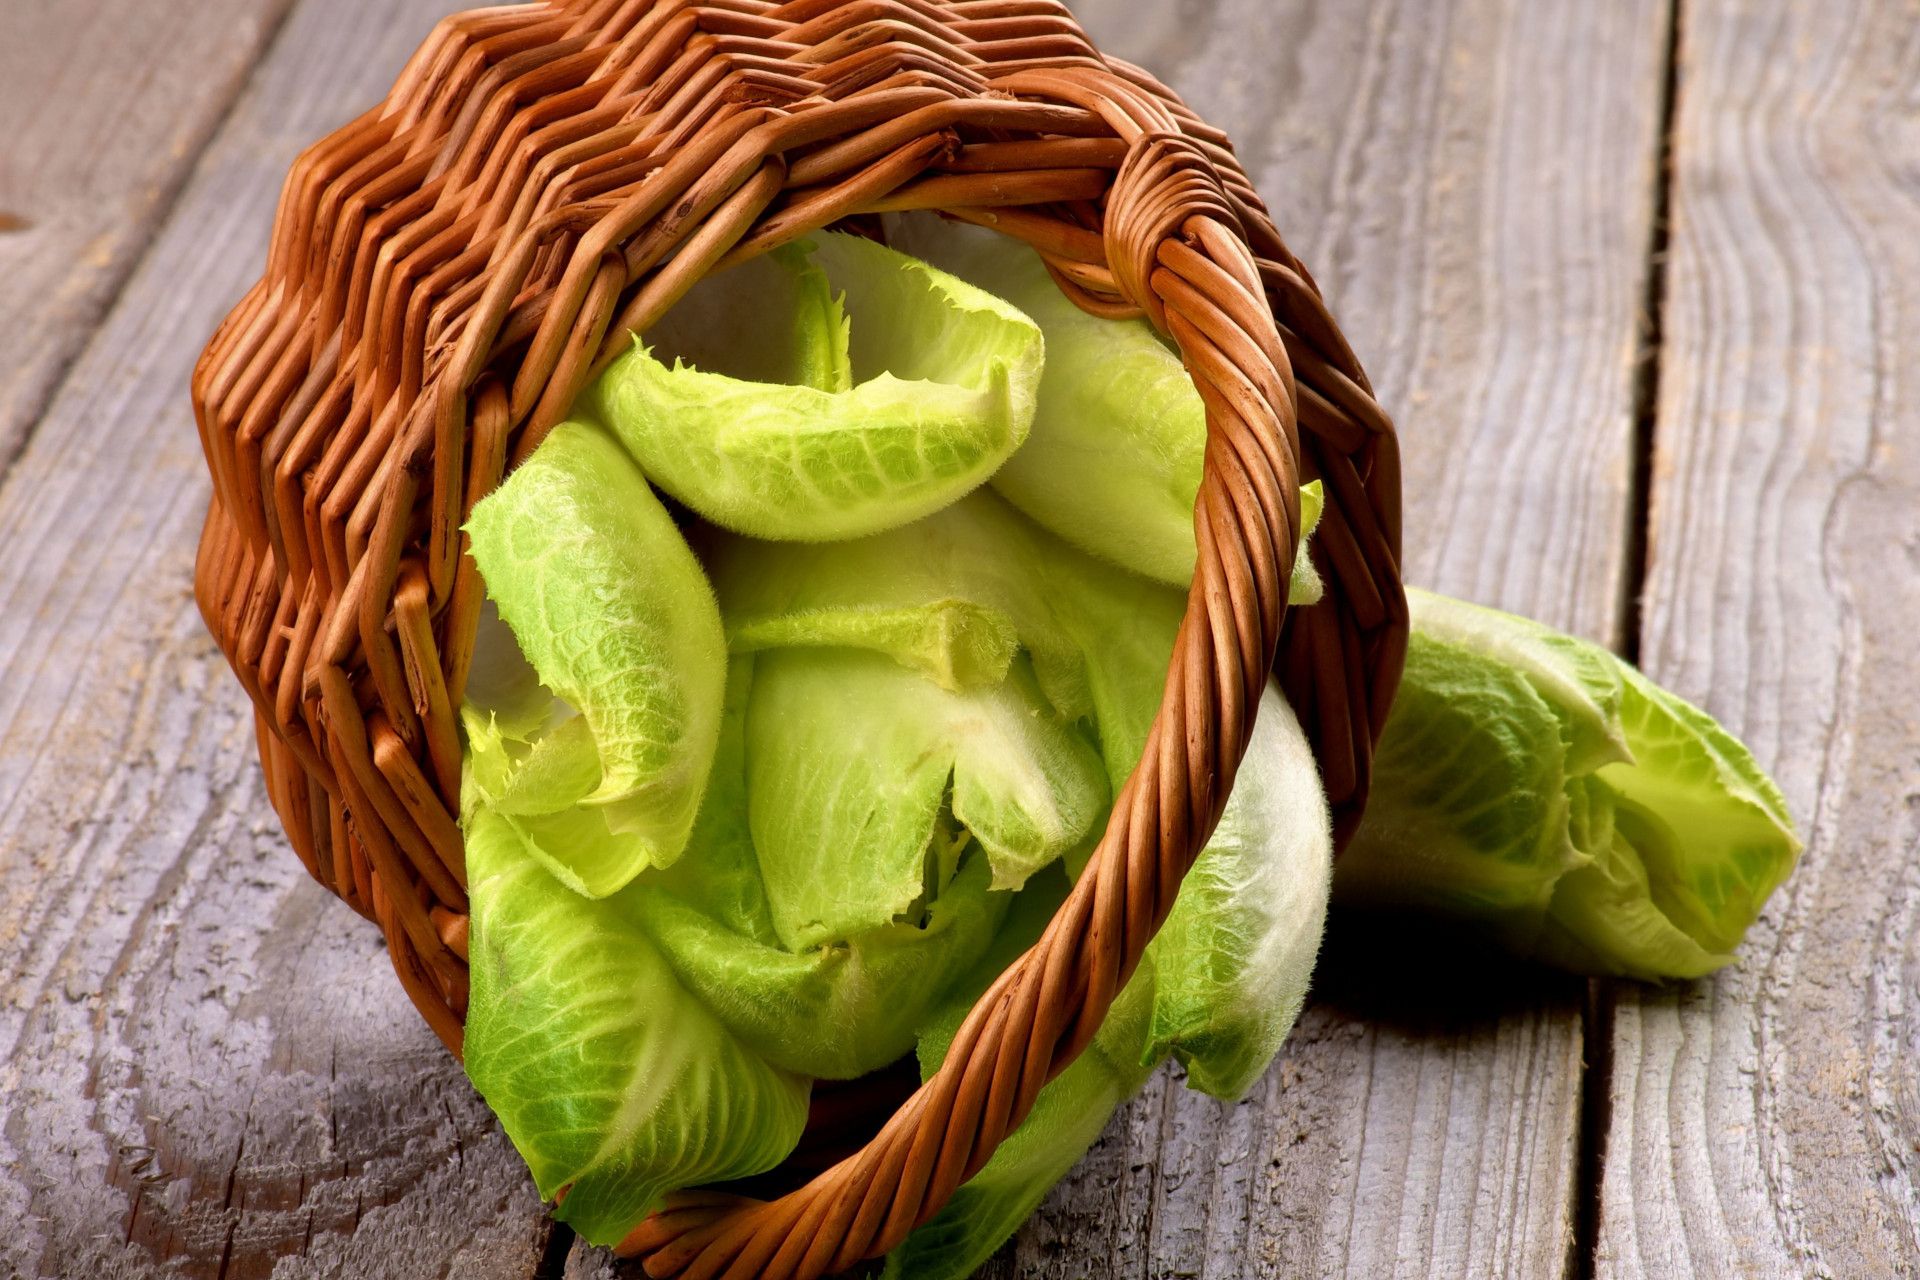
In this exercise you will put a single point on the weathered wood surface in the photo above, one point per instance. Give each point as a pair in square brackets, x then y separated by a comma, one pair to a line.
[1767, 1123]
[1472, 184]
[209, 1070]
[206, 1068]
[104, 105]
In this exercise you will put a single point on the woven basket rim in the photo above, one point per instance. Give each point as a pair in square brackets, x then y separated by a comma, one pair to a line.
[448, 272]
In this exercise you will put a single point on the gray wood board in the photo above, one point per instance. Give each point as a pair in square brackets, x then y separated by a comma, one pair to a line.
[1767, 1123]
[1472, 184]
[209, 1068]
[105, 105]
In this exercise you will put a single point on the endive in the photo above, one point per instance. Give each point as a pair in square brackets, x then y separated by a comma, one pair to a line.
[1536, 784]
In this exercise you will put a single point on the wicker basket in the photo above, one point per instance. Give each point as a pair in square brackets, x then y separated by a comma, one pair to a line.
[450, 269]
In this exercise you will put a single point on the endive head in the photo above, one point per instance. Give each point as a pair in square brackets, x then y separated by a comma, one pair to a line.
[1538, 783]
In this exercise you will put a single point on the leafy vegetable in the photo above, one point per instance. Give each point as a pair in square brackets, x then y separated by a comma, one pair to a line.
[1232, 961]
[850, 760]
[835, 1008]
[1234, 956]
[612, 611]
[955, 644]
[788, 413]
[1537, 783]
[1116, 412]
[952, 597]
[614, 1082]
[868, 749]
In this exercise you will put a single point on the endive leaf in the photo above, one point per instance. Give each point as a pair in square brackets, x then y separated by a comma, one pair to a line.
[1116, 411]
[615, 1083]
[608, 605]
[788, 423]
[839, 1009]
[854, 765]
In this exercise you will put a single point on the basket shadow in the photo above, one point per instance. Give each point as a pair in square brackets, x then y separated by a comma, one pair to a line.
[586, 1262]
[1417, 975]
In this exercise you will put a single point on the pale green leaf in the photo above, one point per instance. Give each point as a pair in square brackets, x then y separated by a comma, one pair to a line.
[1469, 802]
[954, 643]
[946, 596]
[853, 762]
[1537, 785]
[769, 413]
[615, 1084]
[608, 604]
[1232, 961]
[1113, 462]
[837, 1009]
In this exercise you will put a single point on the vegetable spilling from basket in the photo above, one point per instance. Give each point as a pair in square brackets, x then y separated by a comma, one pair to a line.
[766, 787]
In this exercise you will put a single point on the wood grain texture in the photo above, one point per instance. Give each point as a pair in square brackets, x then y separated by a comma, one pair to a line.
[1472, 183]
[208, 1067]
[105, 105]
[1767, 1123]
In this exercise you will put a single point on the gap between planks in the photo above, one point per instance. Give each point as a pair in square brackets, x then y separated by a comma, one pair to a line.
[1766, 1121]
[1596, 1040]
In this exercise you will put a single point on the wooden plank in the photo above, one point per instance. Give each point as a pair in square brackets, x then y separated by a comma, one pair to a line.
[1767, 1123]
[105, 105]
[209, 1069]
[1471, 181]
